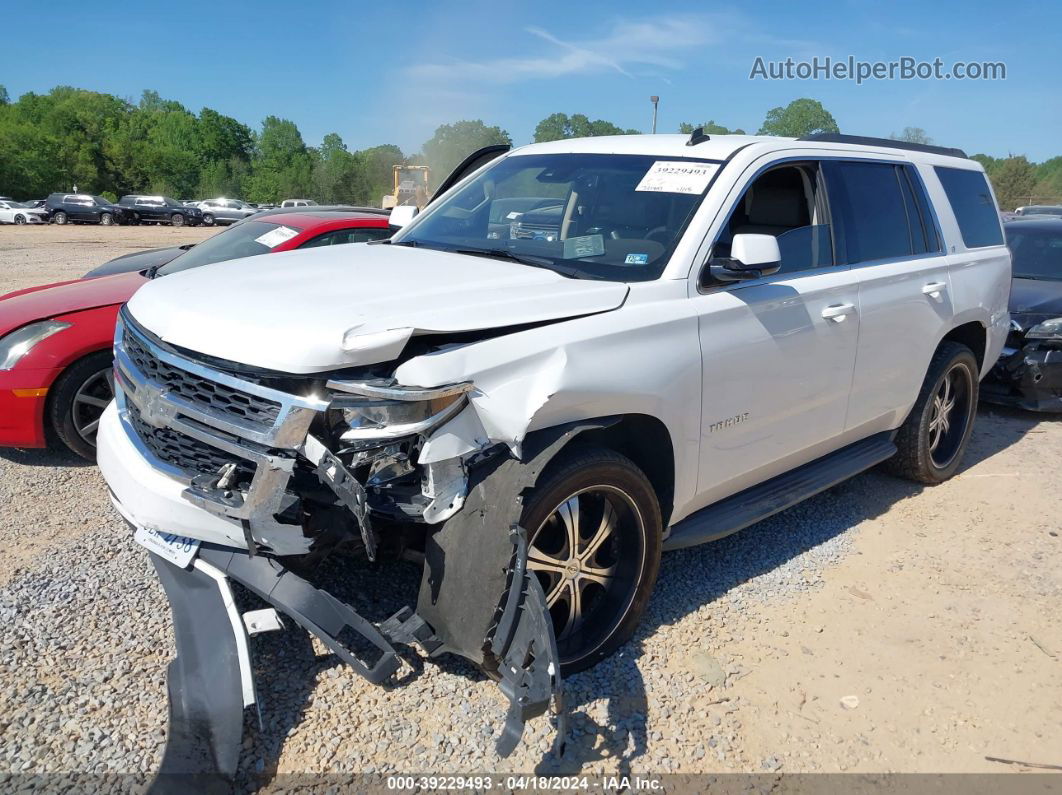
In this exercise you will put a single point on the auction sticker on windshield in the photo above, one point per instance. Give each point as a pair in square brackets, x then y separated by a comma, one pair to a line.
[274, 237]
[678, 176]
[178, 550]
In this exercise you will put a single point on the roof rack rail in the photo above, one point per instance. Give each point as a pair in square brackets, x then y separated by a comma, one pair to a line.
[698, 136]
[865, 140]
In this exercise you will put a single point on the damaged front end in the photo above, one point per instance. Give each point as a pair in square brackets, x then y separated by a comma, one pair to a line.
[303, 469]
[1028, 374]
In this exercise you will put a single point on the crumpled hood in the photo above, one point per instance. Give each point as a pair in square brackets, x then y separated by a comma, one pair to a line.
[292, 311]
[50, 300]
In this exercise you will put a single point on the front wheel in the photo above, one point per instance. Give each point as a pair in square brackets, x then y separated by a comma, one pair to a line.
[106, 219]
[594, 533]
[934, 437]
[60, 218]
[78, 399]
[177, 219]
[208, 219]
[20, 219]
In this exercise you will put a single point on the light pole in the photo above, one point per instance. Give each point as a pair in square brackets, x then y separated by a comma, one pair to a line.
[656, 101]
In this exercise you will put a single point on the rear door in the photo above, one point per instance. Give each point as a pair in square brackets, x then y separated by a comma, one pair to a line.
[894, 247]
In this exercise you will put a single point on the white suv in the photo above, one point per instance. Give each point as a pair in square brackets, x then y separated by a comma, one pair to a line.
[581, 354]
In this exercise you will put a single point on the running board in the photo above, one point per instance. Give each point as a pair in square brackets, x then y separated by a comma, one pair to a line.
[768, 498]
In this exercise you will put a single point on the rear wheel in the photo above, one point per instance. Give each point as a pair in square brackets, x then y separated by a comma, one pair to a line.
[933, 439]
[106, 219]
[78, 399]
[60, 218]
[177, 219]
[594, 543]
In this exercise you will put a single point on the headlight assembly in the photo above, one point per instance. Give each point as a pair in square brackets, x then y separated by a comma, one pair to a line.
[21, 341]
[1048, 330]
[372, 411]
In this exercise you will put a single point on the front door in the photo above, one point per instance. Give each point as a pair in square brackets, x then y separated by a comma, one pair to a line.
[778, 352]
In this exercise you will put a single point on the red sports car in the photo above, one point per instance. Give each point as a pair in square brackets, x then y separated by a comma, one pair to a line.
[55, 340]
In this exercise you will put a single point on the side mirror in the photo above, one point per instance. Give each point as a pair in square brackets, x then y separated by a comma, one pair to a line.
[402, 215]
[751, 257]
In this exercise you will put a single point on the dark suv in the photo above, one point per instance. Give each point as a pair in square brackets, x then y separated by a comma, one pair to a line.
[84, 208]
[161, 210]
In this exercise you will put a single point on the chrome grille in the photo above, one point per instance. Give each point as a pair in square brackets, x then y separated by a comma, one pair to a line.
[208, 395]
[182, 452]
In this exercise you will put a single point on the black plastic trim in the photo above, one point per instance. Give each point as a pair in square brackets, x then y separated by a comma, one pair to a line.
[768, 498]
[865, 140]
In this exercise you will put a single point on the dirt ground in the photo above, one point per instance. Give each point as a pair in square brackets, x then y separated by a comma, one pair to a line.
[32, 255]
[935, 640]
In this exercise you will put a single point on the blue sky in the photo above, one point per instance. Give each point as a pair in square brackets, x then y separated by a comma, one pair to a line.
[391, 72]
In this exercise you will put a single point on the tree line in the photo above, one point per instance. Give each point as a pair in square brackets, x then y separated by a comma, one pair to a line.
[111, 146]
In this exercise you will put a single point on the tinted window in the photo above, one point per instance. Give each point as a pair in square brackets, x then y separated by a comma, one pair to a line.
[342, 236]
[240, 240]
[875, 211]
[1037, 253]
[971, 201]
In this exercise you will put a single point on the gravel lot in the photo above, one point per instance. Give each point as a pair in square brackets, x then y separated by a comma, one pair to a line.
[878, 627]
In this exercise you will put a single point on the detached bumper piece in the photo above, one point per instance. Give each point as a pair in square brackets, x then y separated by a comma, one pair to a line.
[1029, 378]
[211, 680]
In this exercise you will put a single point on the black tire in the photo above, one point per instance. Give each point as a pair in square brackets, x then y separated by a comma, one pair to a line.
[65, 416]
[20, 219]
[208, 219]
[176, 220]
[136, 220]
[106, 219]
[60, 218]
[599, 481]
[929, 452]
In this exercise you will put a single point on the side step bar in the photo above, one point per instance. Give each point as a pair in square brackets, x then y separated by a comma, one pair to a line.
[768, 498]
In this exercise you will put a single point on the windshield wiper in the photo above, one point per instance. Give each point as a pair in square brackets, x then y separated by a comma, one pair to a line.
[152, 272]
[504, 253]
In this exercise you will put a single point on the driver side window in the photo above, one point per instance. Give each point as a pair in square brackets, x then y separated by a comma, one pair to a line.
[789, 203]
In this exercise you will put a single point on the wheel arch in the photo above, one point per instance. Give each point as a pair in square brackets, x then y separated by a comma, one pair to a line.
[974, 335]
[643, 438]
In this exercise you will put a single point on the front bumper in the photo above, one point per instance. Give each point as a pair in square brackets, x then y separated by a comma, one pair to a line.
[23, 399]
[1028, 378]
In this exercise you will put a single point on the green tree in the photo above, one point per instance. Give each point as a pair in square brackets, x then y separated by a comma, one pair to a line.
[282, 167]
[799, 118]
[710, 128]
[990, 163]
[452, 143]
[560, 125]
[1049, 180]
[4, 98]
[913, 135]
[1014, 182]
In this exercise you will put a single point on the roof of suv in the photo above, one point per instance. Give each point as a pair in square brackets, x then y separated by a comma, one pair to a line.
[721, 147]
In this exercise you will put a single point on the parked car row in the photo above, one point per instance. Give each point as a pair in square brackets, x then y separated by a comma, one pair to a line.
[85, 208]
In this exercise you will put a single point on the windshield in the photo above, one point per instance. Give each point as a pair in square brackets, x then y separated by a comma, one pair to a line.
[16, 205]
[243, 240]
[100, 200]
[615, 217]
[171, 202]
[1036, 253]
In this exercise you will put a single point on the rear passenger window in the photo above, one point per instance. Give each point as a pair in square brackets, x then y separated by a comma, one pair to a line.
[876, 211]
[971, 201]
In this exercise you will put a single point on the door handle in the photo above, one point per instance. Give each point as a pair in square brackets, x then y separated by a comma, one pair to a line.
[838, 312]
[934, 289]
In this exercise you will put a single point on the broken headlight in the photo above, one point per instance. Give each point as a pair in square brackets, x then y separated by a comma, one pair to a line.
[371, 411]
[1048, 330]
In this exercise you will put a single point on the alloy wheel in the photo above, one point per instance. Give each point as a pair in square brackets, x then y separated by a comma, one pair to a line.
[91, 398]
[588, 555]
[949, 415]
